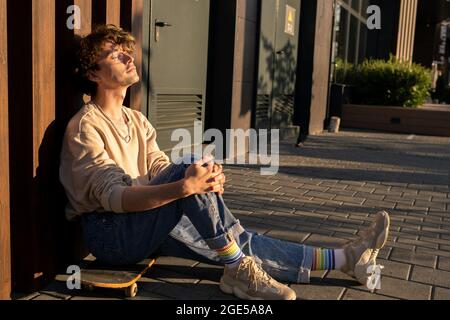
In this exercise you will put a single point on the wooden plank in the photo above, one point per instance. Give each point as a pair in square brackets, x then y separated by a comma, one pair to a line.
[5, 240]
[86, 16]
[86, 24]
[23, 241]
[67, 44]
[69, 98]
[31, 53]
[43, 72]
[43, 117]
[132, 12]
[113, 12]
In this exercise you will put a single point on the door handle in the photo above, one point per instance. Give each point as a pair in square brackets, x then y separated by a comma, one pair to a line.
[162, 24]
[158, 25]
[280, 52]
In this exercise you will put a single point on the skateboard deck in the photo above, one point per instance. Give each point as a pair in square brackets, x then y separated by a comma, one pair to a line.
[95, 274]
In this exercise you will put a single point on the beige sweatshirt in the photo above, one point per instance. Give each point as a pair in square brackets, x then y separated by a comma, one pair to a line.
[97, 164]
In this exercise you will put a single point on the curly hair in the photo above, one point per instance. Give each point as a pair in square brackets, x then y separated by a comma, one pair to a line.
[90, 49]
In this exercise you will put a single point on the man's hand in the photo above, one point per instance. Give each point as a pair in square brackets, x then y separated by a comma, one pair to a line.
[218, 172]
[204, 176]
[199, 178]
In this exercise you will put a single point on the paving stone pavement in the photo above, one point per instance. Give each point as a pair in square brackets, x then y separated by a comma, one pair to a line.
[324, 194]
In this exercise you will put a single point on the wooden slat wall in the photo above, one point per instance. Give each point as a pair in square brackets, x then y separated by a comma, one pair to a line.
[5, 249]
[406, 30]
[42, 99]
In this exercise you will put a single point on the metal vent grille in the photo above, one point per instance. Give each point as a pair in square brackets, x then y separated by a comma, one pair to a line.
[178, 110]
[262, 108]
[283, 111]
[284, 104]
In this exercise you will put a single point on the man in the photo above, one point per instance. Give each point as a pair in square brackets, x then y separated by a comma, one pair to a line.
[134, 202]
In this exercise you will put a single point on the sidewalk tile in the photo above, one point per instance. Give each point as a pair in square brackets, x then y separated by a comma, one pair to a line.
[444, 263]
[409, 257]
[403, 289]
[395, 269]
[351, 294]
[441, 294]
[317, 292]
[431, 276]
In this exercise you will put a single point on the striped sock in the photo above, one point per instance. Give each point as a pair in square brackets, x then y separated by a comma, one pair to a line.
[230, 254]
[323, 259]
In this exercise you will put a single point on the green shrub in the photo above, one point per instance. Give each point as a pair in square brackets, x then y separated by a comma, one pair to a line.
[390, 83]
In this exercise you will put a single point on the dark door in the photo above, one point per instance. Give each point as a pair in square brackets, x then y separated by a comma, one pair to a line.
[277, 66]
[178, 65]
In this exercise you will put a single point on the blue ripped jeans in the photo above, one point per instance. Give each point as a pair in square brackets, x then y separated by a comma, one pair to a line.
[189, 228]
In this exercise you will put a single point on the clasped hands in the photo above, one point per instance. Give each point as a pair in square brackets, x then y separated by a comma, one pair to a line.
[205, 176]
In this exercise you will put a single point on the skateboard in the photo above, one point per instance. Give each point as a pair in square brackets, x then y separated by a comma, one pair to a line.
[97, 275]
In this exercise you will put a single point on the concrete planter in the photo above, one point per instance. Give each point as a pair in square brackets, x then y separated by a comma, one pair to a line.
[430, 120]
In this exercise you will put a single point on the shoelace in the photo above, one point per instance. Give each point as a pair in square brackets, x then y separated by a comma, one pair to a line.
[374, 254]
[254, 272]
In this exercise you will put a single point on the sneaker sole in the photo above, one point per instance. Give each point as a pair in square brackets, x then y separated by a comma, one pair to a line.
[238, 292]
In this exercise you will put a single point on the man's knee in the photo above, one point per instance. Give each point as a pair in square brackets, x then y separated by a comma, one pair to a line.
[187, 159]
[180, 166]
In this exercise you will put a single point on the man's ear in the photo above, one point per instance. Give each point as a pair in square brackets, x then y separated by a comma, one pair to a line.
[92, 76]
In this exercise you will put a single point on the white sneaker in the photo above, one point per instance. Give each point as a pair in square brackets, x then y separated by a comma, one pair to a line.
[362, 253]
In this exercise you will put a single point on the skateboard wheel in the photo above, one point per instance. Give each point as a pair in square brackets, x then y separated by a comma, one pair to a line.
[131, 291]
[88, 287]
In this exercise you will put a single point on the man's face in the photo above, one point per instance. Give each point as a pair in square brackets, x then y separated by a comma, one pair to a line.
[116, 68]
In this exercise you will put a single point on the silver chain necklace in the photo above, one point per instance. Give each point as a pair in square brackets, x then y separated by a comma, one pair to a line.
[126, 138]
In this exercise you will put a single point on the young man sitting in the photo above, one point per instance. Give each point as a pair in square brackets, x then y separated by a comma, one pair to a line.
[134, 202]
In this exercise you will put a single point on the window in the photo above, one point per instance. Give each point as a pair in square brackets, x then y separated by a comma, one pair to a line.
[350, 31]
[356, 5]
[340, 44]
[352, 54]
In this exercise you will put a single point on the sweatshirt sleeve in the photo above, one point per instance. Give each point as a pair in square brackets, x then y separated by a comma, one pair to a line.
[157, 160]
[91, 178]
